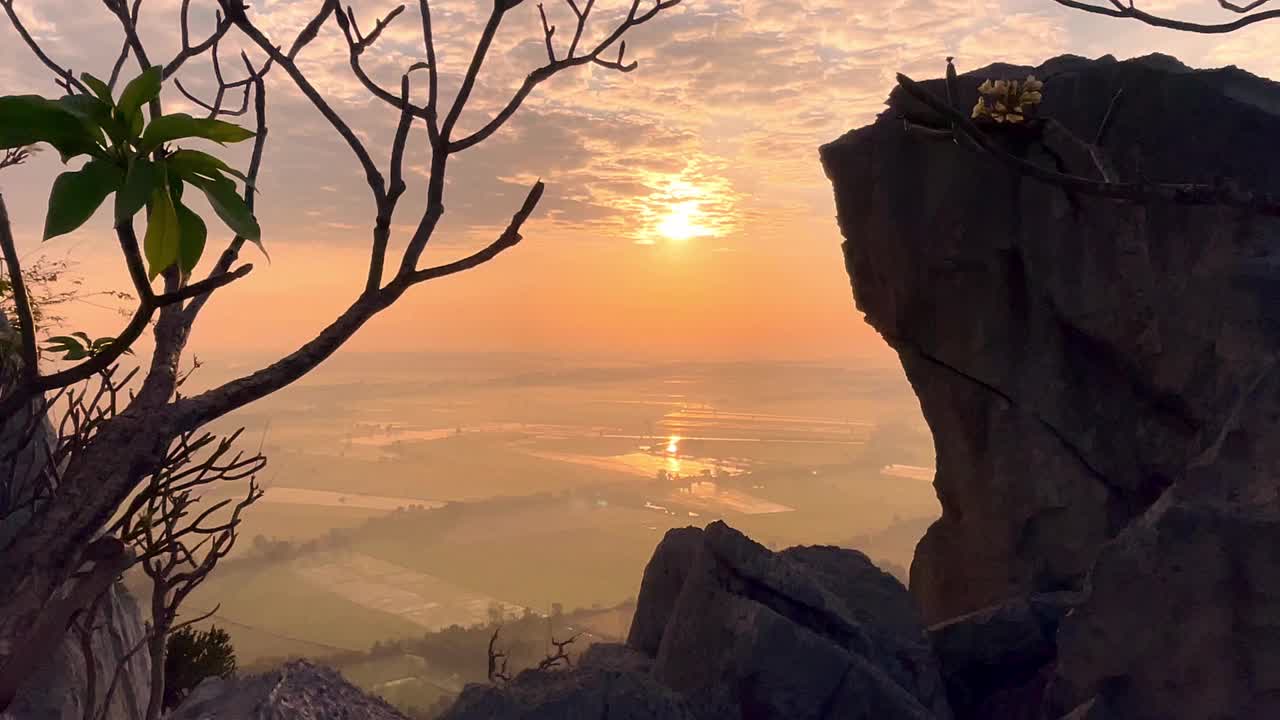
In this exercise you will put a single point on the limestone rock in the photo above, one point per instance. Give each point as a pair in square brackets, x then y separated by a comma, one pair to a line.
[663, 579]
[811, 632]
[56, 690]
[1074, 356]
[997, 661]
[589, 691]
[299, 690]
[1183, 615]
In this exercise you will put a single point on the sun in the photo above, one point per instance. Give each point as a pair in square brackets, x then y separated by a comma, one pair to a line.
[673, 445]
[681, 222]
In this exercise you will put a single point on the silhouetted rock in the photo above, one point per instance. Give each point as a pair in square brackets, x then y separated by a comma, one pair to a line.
[663, 579]
[587, 692]
[1183, 617]
[997, 661]
[726, 629]
[1099, 377]
[299, 690]
[811, 632]
[1072, 355]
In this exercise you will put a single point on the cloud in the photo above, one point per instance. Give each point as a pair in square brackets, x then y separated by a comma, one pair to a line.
[727, 108]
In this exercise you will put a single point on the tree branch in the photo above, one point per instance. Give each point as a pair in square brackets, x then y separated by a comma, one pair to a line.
[509, 238]
[1118, 10]
[65, 75]
[232, 252]
[372, 176]
[633, 19]
[22, 304]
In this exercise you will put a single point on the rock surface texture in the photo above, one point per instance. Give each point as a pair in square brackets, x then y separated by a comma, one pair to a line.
[726, 629]
[1099, 376]
[299, 690]
[57, 689]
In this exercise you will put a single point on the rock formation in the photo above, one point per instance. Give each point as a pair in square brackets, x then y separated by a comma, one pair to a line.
[56, 691]
[610, 681]
[1100, 379]
[299, 690]
[725, 628]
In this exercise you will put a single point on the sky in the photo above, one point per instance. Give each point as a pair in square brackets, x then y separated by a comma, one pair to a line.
[686, 215]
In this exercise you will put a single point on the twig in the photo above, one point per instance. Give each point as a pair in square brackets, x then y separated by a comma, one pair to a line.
[1118, 10]
[21, 303]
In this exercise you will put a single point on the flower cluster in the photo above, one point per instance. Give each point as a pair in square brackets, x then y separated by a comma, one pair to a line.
[1008, 101]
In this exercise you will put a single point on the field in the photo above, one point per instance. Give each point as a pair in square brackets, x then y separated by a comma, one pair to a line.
[403, 507]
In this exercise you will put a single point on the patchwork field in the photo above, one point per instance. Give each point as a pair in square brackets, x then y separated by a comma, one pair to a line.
[398, 508]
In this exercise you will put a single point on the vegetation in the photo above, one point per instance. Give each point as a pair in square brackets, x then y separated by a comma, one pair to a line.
[127, 140]
[131, 159]
[193, 656]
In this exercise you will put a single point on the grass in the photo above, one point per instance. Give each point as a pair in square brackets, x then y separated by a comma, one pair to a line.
[274, 602]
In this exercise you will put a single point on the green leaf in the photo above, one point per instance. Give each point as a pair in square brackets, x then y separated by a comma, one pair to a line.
[98, 87]
[161, 242]
[180, 125]
[70, 347]
[140, 91]
[229, 206]
[195, 163]
[193, 235]
[139, 183]
[30, 119]
[76, 195]
[135, 125]
[92, 112]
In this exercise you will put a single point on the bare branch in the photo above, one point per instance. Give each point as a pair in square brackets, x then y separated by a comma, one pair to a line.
[372, 176]
[1118, 10]
[548, 31]
[22, 303]
[497, 670]
[560, 656]
[15, 156]
[634, 18]
[188, 51]
[124, 47]
[433, 89]
[509, 238]
[65, 77]
[1242, 8]
[232, 252]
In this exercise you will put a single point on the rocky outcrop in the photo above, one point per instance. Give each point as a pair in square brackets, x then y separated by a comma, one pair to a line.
[1074, 356]
[57, 689]
[1100, 379]
[610, 682]
[664, 576]
[812, 632]
[725, 628]
[997, 662]
[1183, 615]
[299, 690]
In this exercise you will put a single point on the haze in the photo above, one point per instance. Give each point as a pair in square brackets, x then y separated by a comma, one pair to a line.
[673, 342]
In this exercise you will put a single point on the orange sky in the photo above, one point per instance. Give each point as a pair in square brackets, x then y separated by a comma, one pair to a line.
[686, 215]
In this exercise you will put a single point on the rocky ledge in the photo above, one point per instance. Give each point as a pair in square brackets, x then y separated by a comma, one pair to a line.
[725, 628]
[1100, 379]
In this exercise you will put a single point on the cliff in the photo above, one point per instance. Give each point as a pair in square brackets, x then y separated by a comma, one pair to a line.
[1099, 377]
